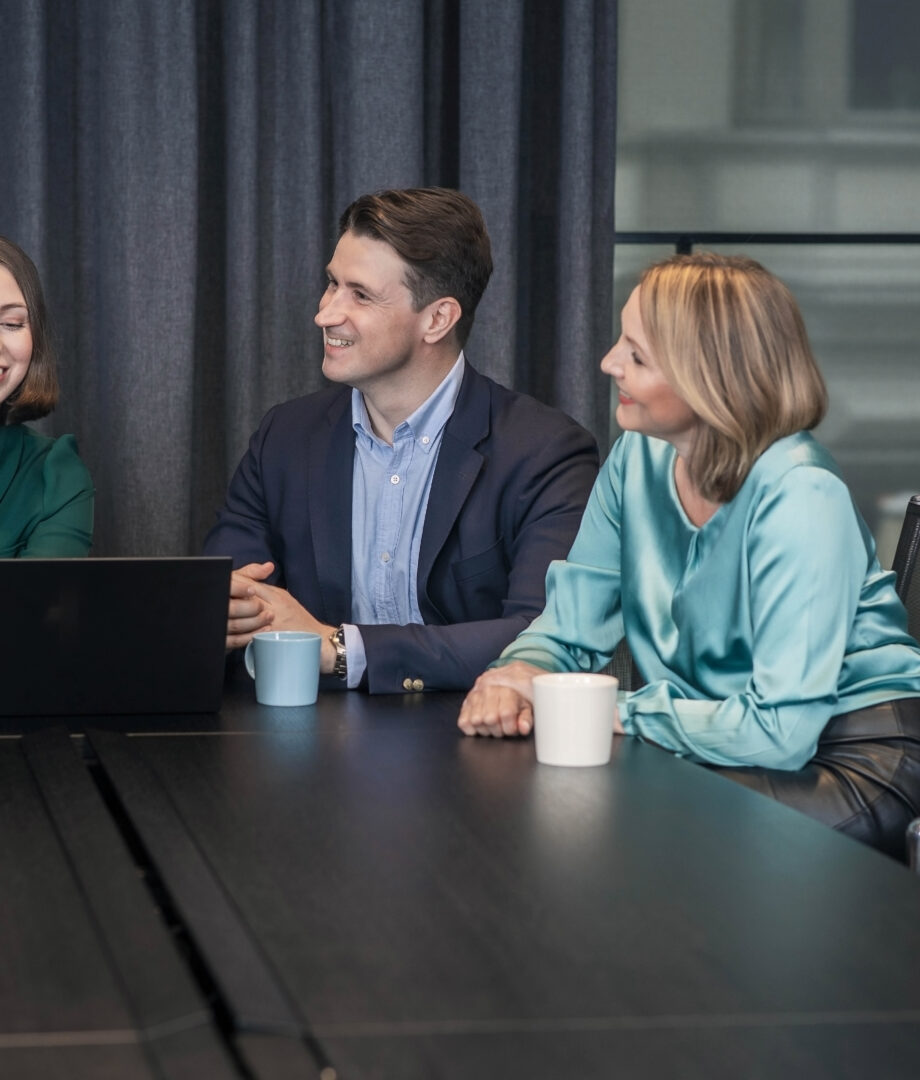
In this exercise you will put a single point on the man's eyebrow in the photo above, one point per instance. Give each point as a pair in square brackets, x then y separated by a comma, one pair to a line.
[359, 285]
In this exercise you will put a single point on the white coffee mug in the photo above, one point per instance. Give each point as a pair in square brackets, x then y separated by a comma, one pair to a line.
[573, 717]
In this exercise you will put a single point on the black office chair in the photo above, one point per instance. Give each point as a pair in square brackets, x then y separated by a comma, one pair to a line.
[905, 560]
[624, 668]
[908, 587]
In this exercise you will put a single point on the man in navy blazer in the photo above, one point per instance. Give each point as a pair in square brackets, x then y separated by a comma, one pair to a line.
[407, 514]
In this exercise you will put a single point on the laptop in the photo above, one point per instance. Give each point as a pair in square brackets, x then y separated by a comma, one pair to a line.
[101, 636]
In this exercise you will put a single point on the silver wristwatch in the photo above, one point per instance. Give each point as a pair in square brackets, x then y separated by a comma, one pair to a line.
[340, 667]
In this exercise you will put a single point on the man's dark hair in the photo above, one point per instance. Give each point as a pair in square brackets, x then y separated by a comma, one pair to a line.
[441, 236]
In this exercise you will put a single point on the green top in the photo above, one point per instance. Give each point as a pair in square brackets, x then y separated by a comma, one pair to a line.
[46, 496]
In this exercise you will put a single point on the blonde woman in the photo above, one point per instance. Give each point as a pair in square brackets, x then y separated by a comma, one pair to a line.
[46, 495]
[722, 543]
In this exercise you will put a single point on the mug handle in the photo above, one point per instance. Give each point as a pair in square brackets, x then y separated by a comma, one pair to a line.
[249, 660]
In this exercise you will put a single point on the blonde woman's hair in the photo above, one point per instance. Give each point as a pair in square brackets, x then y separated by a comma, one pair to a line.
[731, 340]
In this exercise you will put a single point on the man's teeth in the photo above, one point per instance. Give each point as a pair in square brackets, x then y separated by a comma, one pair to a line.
[338, 342]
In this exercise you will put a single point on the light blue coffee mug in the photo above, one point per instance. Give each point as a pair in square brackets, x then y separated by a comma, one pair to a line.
[285, 666]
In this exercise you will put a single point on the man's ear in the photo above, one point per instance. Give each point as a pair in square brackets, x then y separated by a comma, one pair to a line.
[444, 316]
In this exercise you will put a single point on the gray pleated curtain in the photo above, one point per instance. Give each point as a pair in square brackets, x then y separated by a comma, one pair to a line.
[176, 169]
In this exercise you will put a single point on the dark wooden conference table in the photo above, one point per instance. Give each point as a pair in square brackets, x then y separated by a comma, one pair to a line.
[354, 890]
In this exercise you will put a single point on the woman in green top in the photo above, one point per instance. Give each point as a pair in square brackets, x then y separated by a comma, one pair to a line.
[46, 495]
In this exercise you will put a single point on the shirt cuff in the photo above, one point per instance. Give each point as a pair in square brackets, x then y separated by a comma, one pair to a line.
[623, 697]
[357, 657]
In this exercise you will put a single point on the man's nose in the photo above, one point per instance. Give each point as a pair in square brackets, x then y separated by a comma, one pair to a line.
[328, 313]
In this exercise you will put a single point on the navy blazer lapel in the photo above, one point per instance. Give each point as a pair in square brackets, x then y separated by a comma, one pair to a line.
[330, 475]
[459, 463]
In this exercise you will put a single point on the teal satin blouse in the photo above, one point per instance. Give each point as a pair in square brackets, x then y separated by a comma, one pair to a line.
[751, 631]
[46, 496]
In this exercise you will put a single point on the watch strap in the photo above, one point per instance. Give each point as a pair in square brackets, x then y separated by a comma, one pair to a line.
[340, 667]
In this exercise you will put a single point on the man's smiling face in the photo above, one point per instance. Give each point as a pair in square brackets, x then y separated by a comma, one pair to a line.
[371, 331]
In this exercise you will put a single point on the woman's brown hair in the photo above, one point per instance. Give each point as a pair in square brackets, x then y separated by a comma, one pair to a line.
[731, 340]
[37, 394]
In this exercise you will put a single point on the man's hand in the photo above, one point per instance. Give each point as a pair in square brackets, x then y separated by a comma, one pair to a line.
[501, 702]
[286, 613]
[247, 613]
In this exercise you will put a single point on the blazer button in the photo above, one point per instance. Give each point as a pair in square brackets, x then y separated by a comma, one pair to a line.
[417, 684]
[407, 684]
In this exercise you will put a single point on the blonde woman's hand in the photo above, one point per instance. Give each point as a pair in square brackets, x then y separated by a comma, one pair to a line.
[500, 702]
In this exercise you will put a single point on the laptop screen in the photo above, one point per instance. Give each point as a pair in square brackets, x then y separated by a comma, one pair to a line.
[113, 635]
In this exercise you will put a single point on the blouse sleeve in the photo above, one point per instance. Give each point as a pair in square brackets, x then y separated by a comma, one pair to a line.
[65, 527]
[582, 622]
[806, 561]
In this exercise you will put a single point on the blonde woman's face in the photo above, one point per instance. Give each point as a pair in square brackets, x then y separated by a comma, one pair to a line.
[15, 335]
[647, 402]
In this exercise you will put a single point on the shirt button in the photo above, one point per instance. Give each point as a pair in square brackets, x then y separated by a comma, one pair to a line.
[425, 440]
[394, 479]
[385, 557]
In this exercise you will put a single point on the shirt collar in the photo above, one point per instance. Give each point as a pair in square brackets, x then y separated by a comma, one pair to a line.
[426, 423]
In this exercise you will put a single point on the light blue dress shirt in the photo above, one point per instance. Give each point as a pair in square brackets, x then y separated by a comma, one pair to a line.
[390, 492]
[751, 631]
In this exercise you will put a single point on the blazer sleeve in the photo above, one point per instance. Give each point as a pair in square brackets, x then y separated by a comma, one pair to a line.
[243, 528]
[543, 496]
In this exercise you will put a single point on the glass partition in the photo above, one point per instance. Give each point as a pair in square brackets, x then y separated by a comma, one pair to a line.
[752, 118]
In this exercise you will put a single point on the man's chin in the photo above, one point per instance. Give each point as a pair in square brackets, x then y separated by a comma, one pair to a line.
[333, 370]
